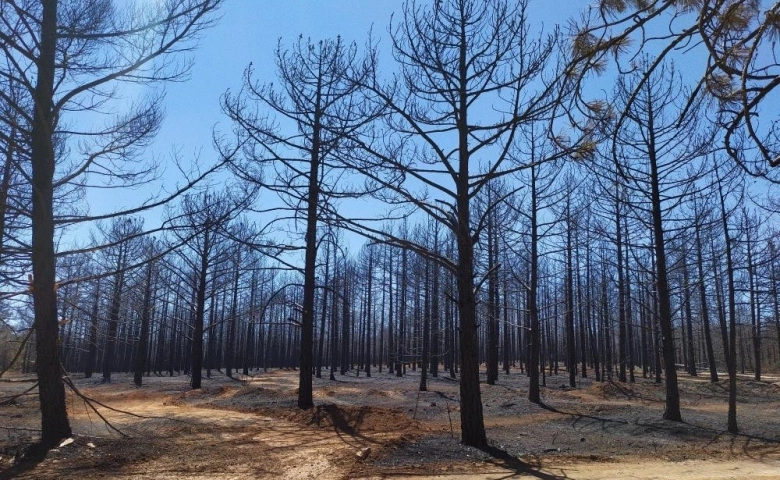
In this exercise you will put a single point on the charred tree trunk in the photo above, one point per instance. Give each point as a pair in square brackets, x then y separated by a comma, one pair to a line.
[533, 313]
[426, 334]
[732, 317]
[704, 309]
[493, 331]
[571, 346]
[51, 389]
[109, 353]
[690, 359]
[143, 340]
[672, 411]
[199, 314]
[89, 368]
[230, 348]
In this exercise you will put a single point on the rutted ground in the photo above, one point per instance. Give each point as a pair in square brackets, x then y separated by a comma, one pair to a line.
[383, 427]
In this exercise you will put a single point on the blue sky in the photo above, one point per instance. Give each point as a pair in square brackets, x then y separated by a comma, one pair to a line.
[248, 31]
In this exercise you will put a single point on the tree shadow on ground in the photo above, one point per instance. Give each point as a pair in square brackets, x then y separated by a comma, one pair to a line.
[681, 428]
[502, 458]
[27, 458]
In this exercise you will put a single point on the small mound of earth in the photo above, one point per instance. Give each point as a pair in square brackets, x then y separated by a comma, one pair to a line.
[612, 390]
[353, 418]
[432, 449]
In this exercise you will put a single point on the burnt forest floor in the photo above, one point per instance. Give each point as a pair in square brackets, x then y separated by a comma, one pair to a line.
[384, 427]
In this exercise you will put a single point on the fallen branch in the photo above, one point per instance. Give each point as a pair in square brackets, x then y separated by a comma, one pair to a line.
[9, 400]
[21, 429]
[89, 402]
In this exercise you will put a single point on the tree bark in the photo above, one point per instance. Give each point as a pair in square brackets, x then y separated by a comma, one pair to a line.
[703, 307]
[51, 389]
[143, 340]
[200, 306]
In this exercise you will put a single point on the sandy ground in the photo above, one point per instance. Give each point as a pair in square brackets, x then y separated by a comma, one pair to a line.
[383, 427]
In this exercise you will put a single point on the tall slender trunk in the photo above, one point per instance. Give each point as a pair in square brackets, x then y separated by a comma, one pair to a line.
[230, 348]
[109, 354]
[493, 331]
[435, 317]
[334, 334]
[582, 316]
[391, 353]
[672, 411]
[369, 334]
[426, 334]
[323, 318]
[721, 305]
[401, 341]
[621, 293]
[592, 334]
[89, 368]
[143, 340]
[381, 350]
[533, 314]
[629, 311]
[249, 349]
[704, 309]
[305, 398]
[471, 416]
[732, 316]
[691, 353]
[200, 307]
[173, 341]
[345, 323]
[571, 347]
[644, 344]
[51, 389]
[507, 329]
[606, 319]
[755, 305]
[211, 347]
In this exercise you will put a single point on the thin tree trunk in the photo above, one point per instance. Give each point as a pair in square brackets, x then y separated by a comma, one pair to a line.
[230, 349]
[493, 331]
[672, 411]
[109, 353]
[704, 309]
[369, 334]
[732, 327]
[691, 353]
[143, 341]
[93, 334]
[426, 330]
[755, 306]
[533, 314]
[200, 304]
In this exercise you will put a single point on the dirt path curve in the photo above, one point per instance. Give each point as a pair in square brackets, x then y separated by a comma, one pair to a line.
[178, 441]
[252, 430]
